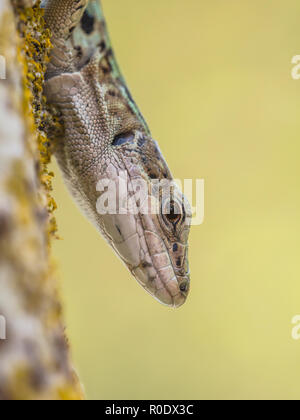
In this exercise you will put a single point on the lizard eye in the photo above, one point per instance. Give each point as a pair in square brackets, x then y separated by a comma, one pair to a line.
[172, 212]
[123, 138]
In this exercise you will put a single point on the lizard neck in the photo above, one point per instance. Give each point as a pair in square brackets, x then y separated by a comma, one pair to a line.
[87, 45]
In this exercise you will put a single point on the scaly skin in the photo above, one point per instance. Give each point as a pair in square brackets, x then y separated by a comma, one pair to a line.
[106, 137]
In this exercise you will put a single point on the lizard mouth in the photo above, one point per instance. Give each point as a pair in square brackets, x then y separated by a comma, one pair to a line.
[164, 286]
[157, 275]
[157, 260]
[150, 259]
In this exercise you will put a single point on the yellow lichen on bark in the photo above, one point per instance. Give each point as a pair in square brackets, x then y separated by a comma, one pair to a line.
[35, 46]
[34, 356]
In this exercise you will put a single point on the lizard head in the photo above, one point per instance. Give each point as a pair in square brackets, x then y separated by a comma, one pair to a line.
[149, 226]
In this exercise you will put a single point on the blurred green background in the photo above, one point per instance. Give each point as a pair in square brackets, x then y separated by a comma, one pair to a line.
[213, 79]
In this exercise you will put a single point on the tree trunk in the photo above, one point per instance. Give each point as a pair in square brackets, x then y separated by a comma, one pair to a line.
[34, 355]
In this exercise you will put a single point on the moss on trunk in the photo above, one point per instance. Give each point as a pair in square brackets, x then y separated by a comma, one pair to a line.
[34, 357]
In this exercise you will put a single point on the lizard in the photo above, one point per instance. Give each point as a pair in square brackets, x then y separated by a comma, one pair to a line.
[105, 137]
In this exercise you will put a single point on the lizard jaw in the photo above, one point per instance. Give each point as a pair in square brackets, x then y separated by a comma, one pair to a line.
[157, 275]
[138, 242]
[154, 250]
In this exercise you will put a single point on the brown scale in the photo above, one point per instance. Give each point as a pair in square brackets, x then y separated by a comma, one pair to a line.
[152, 159]
[145, 150]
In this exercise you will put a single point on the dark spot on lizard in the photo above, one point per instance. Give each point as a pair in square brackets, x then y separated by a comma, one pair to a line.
[87, 23]
[79, 52]
[130, 110]
[145, 264]
[109, 53]
[79, 7]
[102, 46]
[178, 262]
[87, 61]
[141, 141]
[119, 230]
[175, 247]
[105, 66]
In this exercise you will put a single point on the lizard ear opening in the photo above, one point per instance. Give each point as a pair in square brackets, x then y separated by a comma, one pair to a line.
[123, 138]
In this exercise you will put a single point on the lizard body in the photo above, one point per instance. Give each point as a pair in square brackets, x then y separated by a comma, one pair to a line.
[106, 138]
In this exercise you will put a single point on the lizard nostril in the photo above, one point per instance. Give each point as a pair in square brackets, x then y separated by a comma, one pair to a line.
[183, 287]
